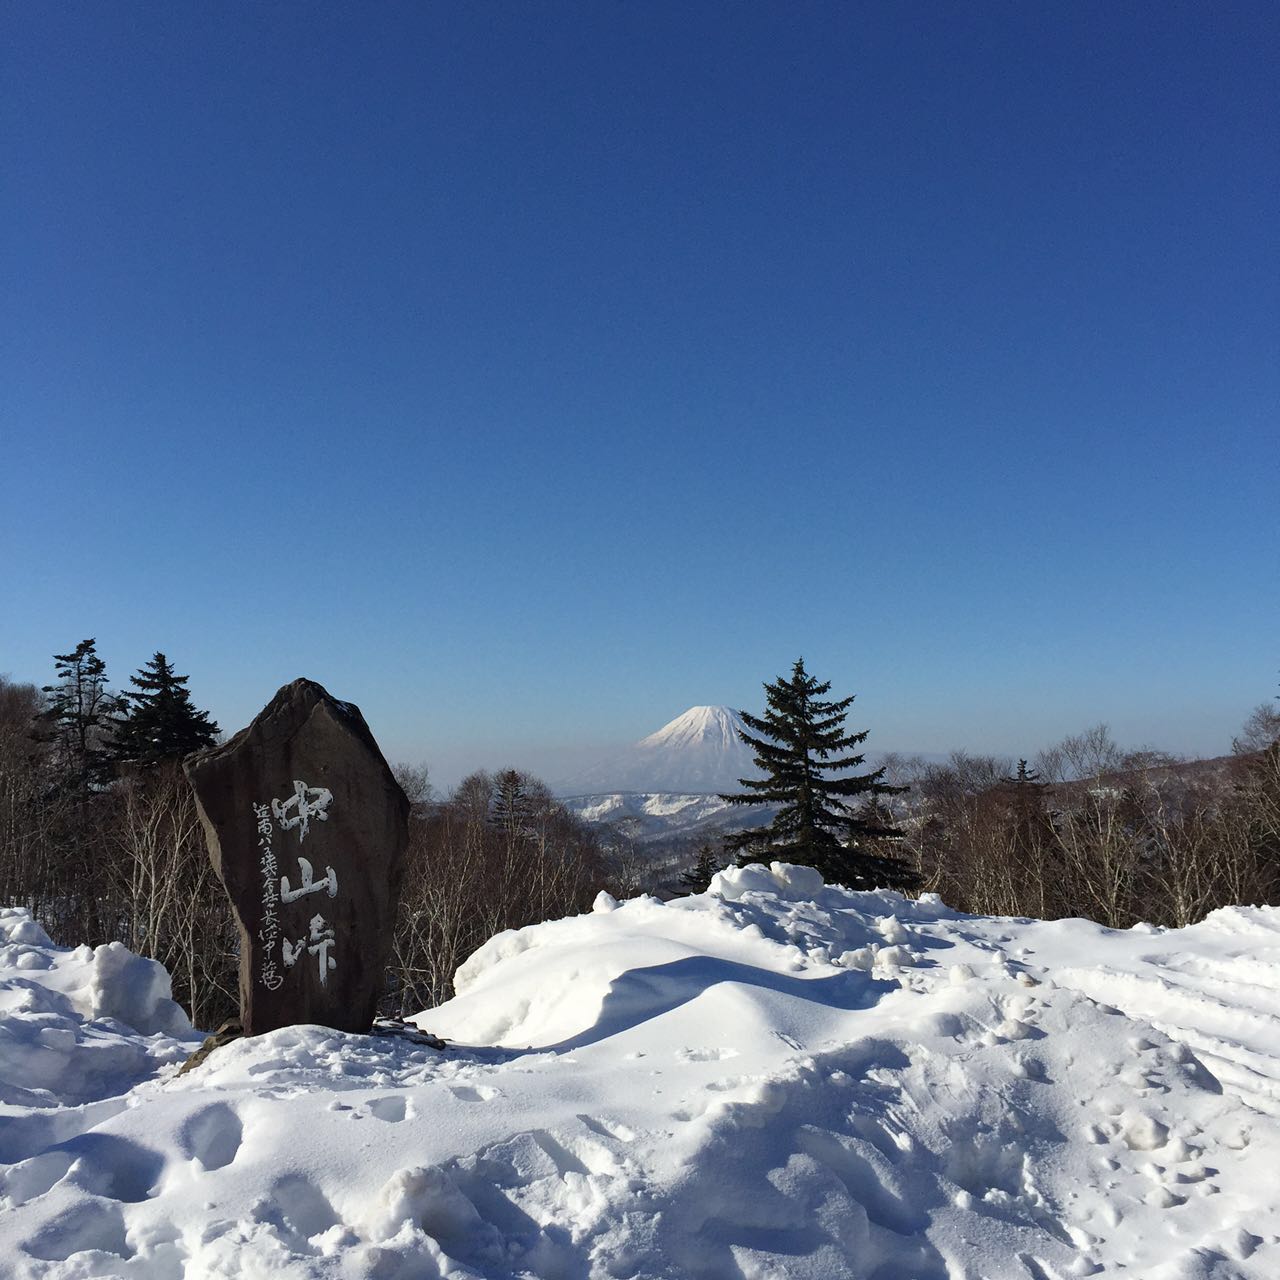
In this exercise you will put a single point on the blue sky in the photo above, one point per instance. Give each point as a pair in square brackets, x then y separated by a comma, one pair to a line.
[528, 373]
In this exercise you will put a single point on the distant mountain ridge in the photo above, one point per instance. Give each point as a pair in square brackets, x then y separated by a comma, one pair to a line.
[656, 817]
[697, 753]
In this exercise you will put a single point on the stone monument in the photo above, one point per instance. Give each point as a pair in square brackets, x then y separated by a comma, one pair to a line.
[307, 828]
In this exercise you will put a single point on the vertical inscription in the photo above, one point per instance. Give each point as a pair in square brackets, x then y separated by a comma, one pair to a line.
[294, 813]
[269, 925]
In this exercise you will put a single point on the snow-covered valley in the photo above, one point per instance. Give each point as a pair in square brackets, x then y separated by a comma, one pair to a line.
[777, 1078]
[666, 787]
[658, 817]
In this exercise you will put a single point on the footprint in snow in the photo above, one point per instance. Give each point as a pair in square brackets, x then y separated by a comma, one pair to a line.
[213, 1136]
[392, 1109]
[472, 1092]
[296, 1205]
[91, 1224]
[607, 1128]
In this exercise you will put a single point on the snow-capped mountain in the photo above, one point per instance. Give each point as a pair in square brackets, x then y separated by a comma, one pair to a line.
[697, 753]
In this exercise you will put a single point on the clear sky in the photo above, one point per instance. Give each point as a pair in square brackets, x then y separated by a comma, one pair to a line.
[527, 373]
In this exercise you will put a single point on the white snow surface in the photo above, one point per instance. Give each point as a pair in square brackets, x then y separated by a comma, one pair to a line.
[653, 817]
[661, 804]
[776, 1078]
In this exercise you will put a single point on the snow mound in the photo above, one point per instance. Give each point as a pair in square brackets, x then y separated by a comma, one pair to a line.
[78, 1026]
[779, 878]
[99, 982]
[775, 1078]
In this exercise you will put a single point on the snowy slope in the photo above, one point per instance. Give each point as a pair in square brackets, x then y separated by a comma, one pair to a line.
[699, 752]
[775, 1079]
[651, 817]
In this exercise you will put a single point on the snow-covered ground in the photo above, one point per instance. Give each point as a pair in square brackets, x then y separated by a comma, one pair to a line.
[653, 818]
[775, 1079]
[662, 804]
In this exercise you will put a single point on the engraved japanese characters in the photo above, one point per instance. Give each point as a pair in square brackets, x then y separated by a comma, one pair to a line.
[306, 827]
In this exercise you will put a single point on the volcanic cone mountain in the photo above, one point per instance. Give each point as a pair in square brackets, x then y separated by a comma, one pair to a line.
[697, 753]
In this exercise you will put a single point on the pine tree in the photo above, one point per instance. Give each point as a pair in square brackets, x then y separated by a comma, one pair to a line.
[1025, 777]
[510, 809]
[1030, 826]
[798, 744]
[79, 719]
[161, 722]
[879, 864]
[697, 878]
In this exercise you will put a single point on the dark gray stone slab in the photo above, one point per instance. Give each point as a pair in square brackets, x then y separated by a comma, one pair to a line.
[307, 828]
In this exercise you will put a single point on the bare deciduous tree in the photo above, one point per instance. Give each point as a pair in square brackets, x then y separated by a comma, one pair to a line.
[1260, 729]
[172, 907]
[499, 853]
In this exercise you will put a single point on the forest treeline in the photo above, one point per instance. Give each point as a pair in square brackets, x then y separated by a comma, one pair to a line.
[99, 836]
[1083, 829]
[1088, 830]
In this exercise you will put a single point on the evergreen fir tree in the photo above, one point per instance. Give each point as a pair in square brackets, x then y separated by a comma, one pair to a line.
[161, 722]
[879, 864]
[1030, 825]
[799, 743]
[510, 809]
[697, 878]
[79, 718]
[1025, 777]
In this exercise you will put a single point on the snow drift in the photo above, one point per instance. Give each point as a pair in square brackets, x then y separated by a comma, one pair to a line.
[777, 1078]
